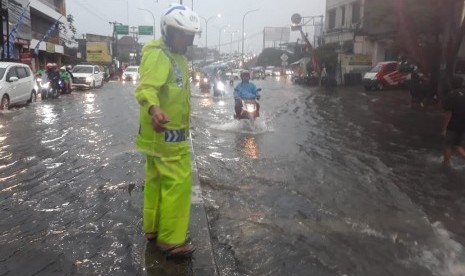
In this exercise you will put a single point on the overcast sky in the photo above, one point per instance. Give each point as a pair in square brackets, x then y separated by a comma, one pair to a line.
[93, 17]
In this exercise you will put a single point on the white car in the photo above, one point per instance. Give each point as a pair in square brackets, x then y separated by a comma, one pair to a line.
[87, 76]
[16, 84]
[131, 73]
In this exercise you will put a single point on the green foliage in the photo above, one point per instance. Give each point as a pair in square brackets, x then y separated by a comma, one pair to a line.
[327, 54]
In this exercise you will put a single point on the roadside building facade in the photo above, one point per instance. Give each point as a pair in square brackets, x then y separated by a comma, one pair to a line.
[45, 13]
[363, 39]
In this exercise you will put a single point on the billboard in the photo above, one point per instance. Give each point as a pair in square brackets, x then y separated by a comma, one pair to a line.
[98, 52]
[98, 48]
[281, 34]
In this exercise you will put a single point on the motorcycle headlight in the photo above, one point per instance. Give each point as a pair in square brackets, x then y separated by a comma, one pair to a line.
[205, 80]
[250, 107]
[220, 86]
[197, 78]
[45, 85]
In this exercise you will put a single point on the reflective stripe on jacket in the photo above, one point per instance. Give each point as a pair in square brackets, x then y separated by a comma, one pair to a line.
[161, 84]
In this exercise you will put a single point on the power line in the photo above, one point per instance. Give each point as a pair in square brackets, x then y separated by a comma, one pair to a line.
[82, 5]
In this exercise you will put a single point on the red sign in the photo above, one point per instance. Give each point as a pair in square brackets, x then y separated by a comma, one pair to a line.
[26, 57]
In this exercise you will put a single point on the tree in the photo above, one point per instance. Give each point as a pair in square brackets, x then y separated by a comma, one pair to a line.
[68, 29]
[430, 32]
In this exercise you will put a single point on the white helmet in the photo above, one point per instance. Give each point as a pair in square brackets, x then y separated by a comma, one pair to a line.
[180, 17]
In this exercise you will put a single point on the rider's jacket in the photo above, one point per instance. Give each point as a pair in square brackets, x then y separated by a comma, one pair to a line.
[164, 82]
[245, 91]
[65, 75]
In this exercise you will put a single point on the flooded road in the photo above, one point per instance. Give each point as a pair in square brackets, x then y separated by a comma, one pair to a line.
[330, 183]
[71, 185]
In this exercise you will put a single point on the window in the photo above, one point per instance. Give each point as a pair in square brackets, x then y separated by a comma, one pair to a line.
[331, 19]
[356, 13]
[21, 71]
[343, 16]
[11, 73]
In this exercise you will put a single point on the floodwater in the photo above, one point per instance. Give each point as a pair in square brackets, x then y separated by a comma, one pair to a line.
[341, 182]
[71, 187]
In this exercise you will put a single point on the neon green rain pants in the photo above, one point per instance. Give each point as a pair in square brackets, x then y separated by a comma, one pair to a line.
[167, 198]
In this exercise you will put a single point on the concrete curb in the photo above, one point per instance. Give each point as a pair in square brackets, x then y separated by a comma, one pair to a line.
[203, 261]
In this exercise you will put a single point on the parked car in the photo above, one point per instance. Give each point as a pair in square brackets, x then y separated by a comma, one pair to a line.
[16, 84]
[87, 76]
[384, 75]
[131, 73]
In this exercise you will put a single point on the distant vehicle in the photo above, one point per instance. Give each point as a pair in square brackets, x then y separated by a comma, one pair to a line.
[87, 76]
[269, 70]
[384, 75]
[131, 73]
[16, 84]
[235, 72]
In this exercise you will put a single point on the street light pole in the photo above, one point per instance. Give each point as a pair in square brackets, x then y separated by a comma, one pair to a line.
[219, 40]
[153, 16]
[206, 31]
[243, 22]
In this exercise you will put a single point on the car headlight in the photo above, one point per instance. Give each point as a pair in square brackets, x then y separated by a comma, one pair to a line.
[89, 79]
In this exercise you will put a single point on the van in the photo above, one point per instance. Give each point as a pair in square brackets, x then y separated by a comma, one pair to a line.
[384, 75]
[16, 84]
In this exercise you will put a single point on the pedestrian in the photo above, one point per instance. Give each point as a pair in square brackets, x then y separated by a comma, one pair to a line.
[454, 123]
[323, 75]
[164, 98]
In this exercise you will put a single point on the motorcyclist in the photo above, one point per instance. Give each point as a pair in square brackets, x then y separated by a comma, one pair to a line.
[245, 90]
[68, 69]
[52, 74]
[231, 79]
[66, 77]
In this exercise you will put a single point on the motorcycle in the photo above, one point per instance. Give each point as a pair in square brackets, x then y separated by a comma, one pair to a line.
[205, 85]
[46, 88]
[250, 110]
[218, 89]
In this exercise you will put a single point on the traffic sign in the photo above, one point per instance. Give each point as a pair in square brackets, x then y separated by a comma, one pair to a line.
[121, 29]
[284, 57]
[296, 18]
[145, 30]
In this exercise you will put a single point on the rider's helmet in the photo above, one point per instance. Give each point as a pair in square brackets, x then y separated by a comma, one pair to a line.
[245, 73]
[62, 68]
[181, 18]
[69, 67]
[49, 65]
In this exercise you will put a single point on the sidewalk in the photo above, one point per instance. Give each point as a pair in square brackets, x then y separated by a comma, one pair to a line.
[203, 261]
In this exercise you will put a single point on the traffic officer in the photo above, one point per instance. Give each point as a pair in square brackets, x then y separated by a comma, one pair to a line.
[164, 98]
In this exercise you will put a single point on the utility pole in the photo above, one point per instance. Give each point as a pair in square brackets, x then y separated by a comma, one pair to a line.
[1, 36]
[115, 38]
[4, 16]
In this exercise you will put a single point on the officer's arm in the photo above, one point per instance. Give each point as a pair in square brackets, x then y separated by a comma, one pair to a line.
[154, 71]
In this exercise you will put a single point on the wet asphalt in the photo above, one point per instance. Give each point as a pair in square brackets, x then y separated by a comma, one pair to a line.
[340, 182]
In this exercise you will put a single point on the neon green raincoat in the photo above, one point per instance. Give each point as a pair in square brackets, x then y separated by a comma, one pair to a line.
[164, 82]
